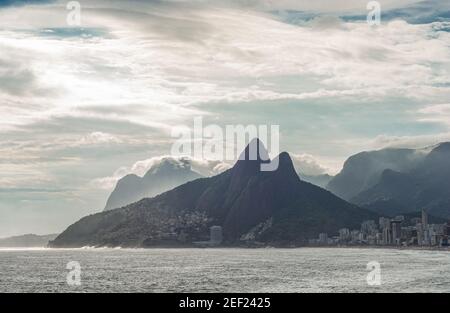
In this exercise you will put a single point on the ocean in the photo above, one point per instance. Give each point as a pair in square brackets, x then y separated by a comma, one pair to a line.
[224, 270]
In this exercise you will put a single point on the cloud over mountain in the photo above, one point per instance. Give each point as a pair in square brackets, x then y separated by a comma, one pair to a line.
[203, 167]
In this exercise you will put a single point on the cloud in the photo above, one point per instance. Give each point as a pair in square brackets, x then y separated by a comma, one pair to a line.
[16, 81]
[98, 138]
[421, 12]
[324, 6]
[306, 164]
[31, 190]
[413, 142]
[201, 166]
[229, 60]
[140, 168]
[438, 113]
[326, 22]
[5, 3]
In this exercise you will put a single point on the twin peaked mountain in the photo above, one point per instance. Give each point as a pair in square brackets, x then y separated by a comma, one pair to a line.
[270, 207]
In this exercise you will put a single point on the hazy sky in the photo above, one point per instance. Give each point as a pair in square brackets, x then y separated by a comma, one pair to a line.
[83, 106]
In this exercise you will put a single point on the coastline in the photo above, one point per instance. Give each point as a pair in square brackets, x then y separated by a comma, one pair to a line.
[387, 247]
[410, 248]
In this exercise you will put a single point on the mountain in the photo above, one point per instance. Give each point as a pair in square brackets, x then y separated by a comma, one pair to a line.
[27, 241]
[425, 186]
[418, 215]
[166, 175]
[273, 207]
[364, 170]
[318, 180]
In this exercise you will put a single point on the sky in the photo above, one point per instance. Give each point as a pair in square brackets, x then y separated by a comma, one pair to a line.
[82, 106]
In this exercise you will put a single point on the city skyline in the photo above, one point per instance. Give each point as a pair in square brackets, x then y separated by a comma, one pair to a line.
[391, 232]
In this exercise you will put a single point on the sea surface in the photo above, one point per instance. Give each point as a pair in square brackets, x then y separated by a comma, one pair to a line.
[224, 270]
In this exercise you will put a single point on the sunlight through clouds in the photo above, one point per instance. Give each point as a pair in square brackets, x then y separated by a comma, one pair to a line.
[79, 103]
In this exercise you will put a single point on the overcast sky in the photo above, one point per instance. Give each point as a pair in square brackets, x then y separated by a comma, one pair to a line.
[83, 106]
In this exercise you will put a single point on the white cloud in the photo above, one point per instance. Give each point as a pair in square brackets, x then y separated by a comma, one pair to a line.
[134, 70]
[327, 22]
[98, 138]
[201, 166]
[306, 164]
[307, 5]
[414, 142]
[204, 167]
[230, 53]
[437, 113]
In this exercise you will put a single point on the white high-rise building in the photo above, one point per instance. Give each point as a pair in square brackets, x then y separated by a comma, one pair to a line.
[344, 235]
[216, 235]
[419, 228]
[396, 232]
[424, 219]
[323, 238]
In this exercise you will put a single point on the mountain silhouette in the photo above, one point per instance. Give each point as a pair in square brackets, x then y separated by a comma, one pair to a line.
[364, 170]
[425, 186]
[274, 207]
[166, 175]
[27, 241]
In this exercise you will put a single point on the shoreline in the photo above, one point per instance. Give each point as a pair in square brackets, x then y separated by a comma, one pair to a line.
[387, 247]
[412, 248]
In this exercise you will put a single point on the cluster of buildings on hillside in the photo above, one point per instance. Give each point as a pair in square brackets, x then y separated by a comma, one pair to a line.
[391, 231]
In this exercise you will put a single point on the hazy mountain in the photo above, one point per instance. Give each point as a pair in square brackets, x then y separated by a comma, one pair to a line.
[166, 175]
[364, 170]
[27, 241]
[273, 207]
[425, 186]
[414, 215]
[318, 180]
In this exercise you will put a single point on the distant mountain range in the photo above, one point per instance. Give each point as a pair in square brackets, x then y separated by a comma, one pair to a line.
[395, 181]
[27, 241]
[318, 180]
[278, 208]
[363, 170]
[269, 207]
[166, 175]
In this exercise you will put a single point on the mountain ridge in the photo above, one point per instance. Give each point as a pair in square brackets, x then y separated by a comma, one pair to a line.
[27, 241]
[426, 185]
[161, 177]
[240, 199]
[363, 170]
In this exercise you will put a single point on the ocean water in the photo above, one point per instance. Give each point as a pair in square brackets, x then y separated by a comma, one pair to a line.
[225, 270]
